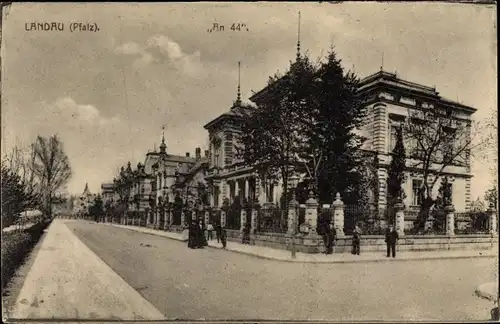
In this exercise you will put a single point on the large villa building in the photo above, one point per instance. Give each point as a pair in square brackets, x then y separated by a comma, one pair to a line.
[390, 100]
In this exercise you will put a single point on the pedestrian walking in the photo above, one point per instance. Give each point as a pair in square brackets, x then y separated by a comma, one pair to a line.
[210, 229]
[332, 234]
[223, 237]
[356, 241]
[192, 235]
[391, 237]
[201, 241]
[218, 230]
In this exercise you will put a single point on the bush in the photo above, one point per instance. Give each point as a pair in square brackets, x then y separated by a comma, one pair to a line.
[16, 245]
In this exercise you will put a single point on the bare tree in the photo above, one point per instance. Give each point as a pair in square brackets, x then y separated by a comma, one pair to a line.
[52, 168]
[440, 139]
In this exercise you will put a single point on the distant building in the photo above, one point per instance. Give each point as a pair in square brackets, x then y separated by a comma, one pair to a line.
[83, 202]
[108, 193]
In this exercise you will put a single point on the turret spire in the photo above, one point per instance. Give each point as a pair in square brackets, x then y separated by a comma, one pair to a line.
[298, 40]
[86, 190]
[382, 63]
[237, 102]
[238, 98]
[163, 146]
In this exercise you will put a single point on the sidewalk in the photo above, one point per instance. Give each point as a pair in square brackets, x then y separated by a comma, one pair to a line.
[68, 281]
[284, 255]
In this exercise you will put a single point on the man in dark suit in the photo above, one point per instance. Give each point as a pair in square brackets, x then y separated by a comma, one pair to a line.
[391, 237]
[332, 233]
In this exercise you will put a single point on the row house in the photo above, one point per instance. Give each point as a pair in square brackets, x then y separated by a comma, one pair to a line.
[152, 189]
[391, 99]
[132, 190]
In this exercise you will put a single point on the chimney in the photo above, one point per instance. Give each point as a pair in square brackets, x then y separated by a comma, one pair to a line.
[187, 154]
[198, 153]
[207, 154]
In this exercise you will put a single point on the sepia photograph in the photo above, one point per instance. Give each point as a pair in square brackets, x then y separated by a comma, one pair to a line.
[249, 161]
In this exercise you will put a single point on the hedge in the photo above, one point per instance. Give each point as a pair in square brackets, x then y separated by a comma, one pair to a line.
[16, 246]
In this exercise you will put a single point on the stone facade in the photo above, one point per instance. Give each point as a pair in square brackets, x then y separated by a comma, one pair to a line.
[390, 100]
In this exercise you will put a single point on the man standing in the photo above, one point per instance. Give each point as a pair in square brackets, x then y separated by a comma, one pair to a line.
[391, 237]
[322, 230]
[356, 241]
[332, 233]
[218, 231]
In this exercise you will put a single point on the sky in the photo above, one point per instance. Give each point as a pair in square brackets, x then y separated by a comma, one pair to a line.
[108, 93]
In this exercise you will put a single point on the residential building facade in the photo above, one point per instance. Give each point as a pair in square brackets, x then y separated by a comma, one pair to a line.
[152, 190]
[390, 102]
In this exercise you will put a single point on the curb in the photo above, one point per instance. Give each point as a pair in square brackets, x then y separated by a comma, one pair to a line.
[355, 261]
[155, 234]
[289, 260]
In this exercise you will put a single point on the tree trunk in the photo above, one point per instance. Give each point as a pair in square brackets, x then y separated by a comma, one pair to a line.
[423, 214]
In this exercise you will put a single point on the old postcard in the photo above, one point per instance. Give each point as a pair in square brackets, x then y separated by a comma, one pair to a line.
[260, 161]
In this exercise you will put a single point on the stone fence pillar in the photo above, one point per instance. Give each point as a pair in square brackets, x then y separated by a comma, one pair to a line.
[183, 218]
[292, 216]
[450, 220]
[243, 218]
[207, 216]
[400, 218]
[312, 213]
[338, 216]
[254, 219]
[168, 219]
[223, 216]
[493, 219]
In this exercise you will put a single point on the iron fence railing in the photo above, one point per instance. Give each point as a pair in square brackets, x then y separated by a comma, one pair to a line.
[272, 221]
[472, 222]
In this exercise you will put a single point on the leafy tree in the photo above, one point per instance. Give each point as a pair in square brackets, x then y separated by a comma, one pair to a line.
[330, 146]
[367, 207]
[270, 135]
[51, 167]
[491, 197]
[96, 209]
[13, 197]
[396, 176]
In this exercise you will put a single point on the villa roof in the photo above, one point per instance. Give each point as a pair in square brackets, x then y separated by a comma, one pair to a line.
[236, 112]
[153, 157]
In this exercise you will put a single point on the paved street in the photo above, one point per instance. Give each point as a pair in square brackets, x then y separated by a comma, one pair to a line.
[216, 284]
